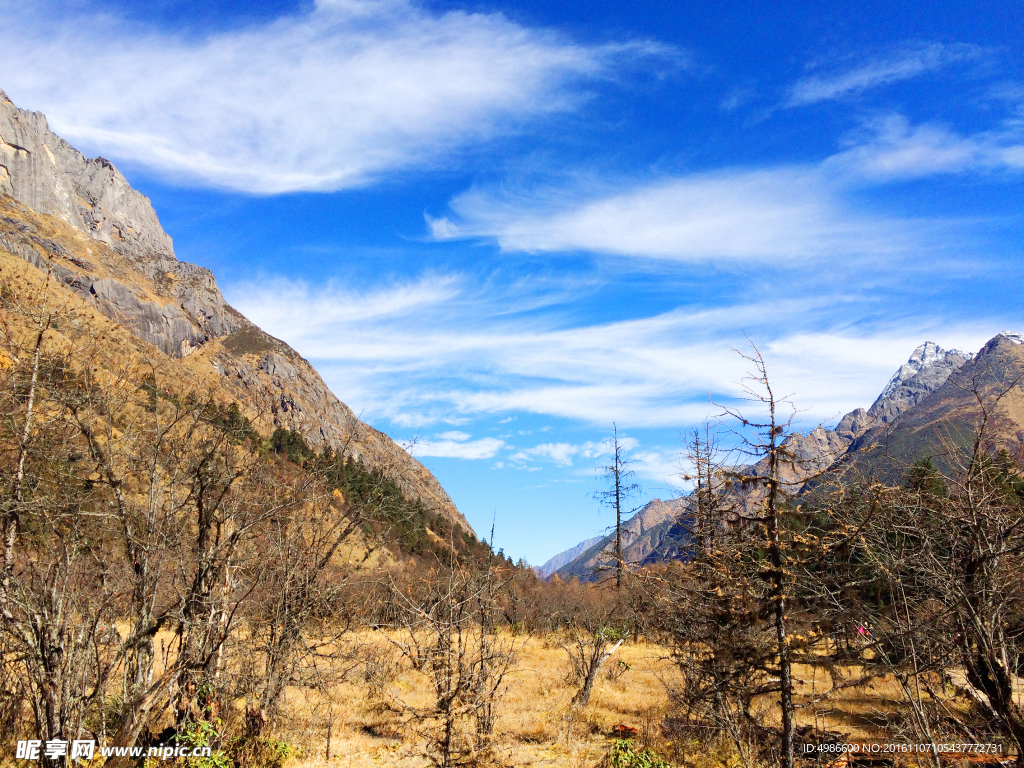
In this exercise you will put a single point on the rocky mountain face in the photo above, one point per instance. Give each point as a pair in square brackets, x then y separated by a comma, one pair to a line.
[80, 220]
[567, 556]
[811, 453]
[925, 371]
[641, 534]
[49, 176]
[945, 420]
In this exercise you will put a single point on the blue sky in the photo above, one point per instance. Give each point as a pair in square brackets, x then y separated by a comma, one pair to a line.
[498, 227]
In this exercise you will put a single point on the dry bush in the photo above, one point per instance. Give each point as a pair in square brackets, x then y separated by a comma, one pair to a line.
[451, 637]
[588, 643]
[381, 670]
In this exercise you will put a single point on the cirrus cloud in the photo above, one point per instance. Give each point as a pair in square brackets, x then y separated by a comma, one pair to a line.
[774, 214]
[896, 149]
[459, 447]
[322, 100]
[463, 359]
[908, 62]
[777, 215]
[564, 453]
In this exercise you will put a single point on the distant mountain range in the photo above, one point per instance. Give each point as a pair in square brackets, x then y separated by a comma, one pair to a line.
[81, 220]
[563, 558]
[640, 535]
[930, 404]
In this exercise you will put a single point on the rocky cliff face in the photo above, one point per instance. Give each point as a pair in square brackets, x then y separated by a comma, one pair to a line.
[45, 173]
[82, 221]
[925, 371]
[50, 176]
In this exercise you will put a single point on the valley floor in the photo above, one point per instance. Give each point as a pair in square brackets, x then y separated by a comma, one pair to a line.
[536, 726]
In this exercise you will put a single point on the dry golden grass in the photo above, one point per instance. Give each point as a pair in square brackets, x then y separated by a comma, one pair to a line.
[535, 726]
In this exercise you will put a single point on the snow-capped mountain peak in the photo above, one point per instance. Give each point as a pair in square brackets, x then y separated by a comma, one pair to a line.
[925, 356]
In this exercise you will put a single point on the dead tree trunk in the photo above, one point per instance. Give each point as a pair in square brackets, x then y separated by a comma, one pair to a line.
[621, 487]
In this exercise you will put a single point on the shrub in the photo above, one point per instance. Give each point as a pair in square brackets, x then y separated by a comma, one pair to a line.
[624, 754]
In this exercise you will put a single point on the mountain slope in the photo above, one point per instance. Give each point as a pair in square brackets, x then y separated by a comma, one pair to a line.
[947, 418]
[640, 534]
[926, 370]
[567, 556]
[102, 240]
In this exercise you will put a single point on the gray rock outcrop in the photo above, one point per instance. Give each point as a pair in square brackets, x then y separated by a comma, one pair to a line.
[854, 423]
[45, 173]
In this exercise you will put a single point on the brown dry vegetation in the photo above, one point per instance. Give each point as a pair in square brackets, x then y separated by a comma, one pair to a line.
[537, 725]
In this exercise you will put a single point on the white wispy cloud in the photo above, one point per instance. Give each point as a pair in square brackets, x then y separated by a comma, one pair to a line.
[896, 149]
[658, 469]
[559, 453]
[798, 216]
[462, 359]
[740, 215]
[909, 62]
[319, 100]
[455, 435]
[296, 309]
[564, 453]
[459, 448]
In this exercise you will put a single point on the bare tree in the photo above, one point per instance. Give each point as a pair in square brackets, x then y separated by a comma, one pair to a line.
[589, 645]
[448, 632]
[137, 513]
[295, 619]
[765, 439]
[707, 512]
[620, 479]
[753, 559]
[55, 621]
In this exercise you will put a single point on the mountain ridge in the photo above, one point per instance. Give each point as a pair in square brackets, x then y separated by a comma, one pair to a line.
[567, 556]
[927, 369]
[639, 535]
[944, 420]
